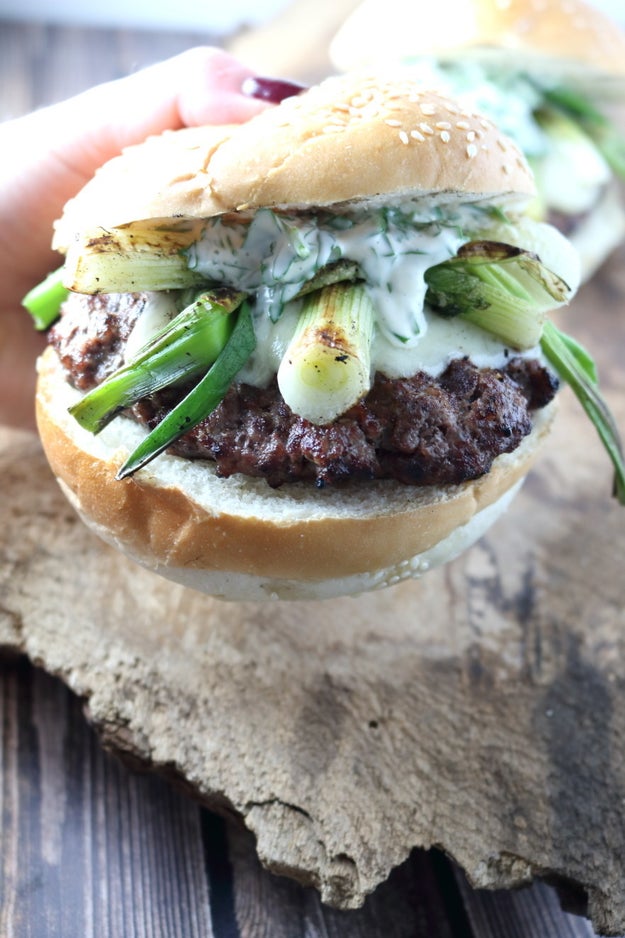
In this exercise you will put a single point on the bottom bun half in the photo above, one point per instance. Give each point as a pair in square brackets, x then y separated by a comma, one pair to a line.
[237, 538]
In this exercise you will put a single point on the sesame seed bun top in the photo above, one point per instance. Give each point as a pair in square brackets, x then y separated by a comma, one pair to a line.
[366, 137]
[352, 139]
[557, 35]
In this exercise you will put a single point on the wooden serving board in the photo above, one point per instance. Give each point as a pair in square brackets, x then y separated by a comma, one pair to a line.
[481, 709]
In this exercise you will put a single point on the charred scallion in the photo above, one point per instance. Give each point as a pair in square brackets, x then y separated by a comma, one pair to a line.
[202, 400]
[498, 287]
[132, 258]
[327, 365]
[186, 347]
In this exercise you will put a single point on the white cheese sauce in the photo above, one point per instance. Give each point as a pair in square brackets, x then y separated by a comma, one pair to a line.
[273, 256]
[442, 341]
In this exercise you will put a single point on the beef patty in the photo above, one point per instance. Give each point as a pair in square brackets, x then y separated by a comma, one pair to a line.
[419, 430]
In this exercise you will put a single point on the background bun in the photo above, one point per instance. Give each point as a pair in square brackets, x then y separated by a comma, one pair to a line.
[568, 31]
[351, 138]
[238, 539]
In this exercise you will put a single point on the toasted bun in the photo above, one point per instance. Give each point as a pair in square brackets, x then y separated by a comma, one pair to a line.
[353, 138]
[237, 538]
[551, 34]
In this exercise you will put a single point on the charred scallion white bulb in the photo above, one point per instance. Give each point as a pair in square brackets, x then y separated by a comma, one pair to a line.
[327, 365]
[121, 260]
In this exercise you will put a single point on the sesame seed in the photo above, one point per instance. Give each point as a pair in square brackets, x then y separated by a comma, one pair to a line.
[471, 150]
[506, 169]
[428, 109]
[471, 136]
[426, 128]
[443, 125]
[403, 136]
[417, 136]
[445, 136]
[463, 125]
[393, 123]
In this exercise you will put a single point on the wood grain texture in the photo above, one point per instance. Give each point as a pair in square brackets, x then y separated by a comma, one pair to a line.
[502, 677]
[92, 848]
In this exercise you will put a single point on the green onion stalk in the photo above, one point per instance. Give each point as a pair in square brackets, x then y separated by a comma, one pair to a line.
[202, 400]
[185, 348]
[500, 288]
[484, 284]
[602, 131]
[327, 365]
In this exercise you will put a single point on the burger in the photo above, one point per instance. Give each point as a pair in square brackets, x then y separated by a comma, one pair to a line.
[309, 355]
[551, 75]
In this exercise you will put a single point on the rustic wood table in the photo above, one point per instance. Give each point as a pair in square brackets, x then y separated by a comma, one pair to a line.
[93, 846]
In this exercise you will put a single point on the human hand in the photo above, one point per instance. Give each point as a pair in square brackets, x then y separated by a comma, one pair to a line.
[50, 154]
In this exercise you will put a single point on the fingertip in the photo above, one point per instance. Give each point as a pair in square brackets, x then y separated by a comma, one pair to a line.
[211, 88]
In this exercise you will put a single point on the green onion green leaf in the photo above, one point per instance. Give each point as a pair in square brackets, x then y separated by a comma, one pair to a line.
[186, 347]
[575, 366]
[44, 301]
[202, 400]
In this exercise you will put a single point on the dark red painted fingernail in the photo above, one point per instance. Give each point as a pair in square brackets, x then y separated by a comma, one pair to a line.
[272, 90]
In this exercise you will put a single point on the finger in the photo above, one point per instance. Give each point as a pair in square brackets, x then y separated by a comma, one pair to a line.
[200, 86]
[50, 154]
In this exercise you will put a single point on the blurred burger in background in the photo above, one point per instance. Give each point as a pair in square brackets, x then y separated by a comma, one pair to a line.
[551, 74]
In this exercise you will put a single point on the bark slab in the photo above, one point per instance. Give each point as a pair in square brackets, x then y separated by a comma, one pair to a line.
[480, 710]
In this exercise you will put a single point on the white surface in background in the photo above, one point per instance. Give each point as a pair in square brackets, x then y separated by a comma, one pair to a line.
[614, 8]
[209, 16]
